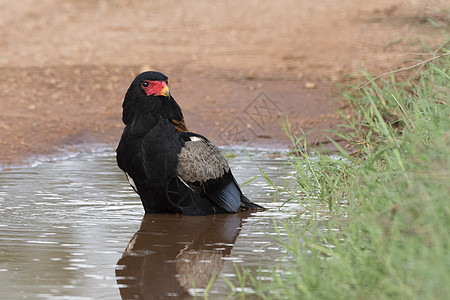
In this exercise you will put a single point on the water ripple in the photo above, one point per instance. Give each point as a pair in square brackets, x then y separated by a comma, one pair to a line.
[65, 224]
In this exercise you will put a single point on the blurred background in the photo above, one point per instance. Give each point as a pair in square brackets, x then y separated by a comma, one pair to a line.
[65, 65]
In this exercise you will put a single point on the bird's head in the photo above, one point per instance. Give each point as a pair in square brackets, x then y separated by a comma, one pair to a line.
[149, 84]
[149, 94]
[152, 84]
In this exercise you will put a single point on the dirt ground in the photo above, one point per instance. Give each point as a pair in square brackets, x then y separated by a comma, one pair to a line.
[235, 67]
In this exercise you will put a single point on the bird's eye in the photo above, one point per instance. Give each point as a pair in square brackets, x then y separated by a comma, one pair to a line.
[145, 84]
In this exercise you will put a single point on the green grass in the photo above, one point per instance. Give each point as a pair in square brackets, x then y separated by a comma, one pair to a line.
[388, 193]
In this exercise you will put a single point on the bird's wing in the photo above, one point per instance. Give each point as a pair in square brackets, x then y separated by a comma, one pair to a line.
[201, 162]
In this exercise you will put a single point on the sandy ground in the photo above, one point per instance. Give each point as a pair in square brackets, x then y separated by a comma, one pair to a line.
[235, 67]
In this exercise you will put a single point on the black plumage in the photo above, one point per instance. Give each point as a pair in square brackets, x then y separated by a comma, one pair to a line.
[172, 170]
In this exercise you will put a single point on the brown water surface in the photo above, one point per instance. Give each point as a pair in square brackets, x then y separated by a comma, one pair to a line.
[74, 229]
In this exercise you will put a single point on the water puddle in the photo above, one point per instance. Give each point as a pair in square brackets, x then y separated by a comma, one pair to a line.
[74, 229]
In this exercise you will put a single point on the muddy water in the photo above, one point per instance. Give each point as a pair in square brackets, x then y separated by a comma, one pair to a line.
[74, 229]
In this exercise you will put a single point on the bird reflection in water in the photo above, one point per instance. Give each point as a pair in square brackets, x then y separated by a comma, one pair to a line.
[173, 253]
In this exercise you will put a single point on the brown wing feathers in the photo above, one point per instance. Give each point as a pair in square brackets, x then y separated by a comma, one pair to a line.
[180, 126]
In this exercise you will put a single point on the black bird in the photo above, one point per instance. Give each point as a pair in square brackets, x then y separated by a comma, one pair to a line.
[171, 169]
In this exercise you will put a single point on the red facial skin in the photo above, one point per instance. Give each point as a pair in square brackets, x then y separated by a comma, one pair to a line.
[153, 87]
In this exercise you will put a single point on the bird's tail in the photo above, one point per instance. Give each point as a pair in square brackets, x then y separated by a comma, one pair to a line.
[247, 204]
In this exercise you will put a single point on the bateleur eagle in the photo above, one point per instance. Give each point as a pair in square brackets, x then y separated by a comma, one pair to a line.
[171, 169]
